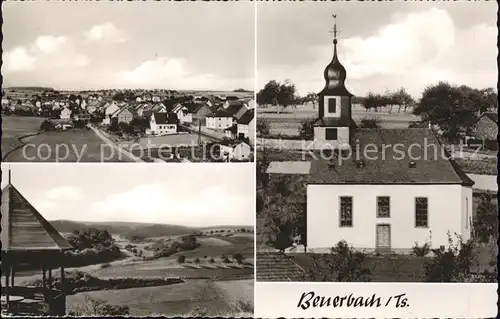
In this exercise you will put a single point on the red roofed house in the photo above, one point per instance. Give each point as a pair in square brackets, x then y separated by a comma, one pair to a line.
[380, 192]
[29, 240]
[162, 124]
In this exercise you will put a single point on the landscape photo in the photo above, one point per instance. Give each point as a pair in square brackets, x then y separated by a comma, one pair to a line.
[139, 240]
[377, 142]
[97, 88]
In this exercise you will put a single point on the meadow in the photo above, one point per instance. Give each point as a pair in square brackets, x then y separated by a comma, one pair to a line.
[193, 297]
[73, 145]
[288, 121]
[214, 283]
[14, 128]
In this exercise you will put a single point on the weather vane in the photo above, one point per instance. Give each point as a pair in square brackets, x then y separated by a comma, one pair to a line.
[334, 31]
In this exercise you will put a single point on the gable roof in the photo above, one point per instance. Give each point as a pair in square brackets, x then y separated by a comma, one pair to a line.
[247, 117]
[233, 129]
[273, 266]
[165, 118]
[491, 115]
[200, 106]
[235, 108]
[24, 228]
[220, 113]
[389, 164]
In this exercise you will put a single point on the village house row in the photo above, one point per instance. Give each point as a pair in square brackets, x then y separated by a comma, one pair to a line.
[230, 119]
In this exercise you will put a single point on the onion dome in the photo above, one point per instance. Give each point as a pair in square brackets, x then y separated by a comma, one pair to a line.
[335, 74]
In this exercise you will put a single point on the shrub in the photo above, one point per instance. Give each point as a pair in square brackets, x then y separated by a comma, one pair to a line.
[95, 307]
[239, 258]
[197, 260]
[211, 260]
[47, 126]
[421, 251]
[452, 264]
[106, 265]
[224, 259]
[262, 126]
[341, 264]
[181, 259]
[306, 131]
[369, 122]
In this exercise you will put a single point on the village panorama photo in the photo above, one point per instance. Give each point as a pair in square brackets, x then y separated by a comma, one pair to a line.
[377, 142]
[81, 240]
[81, 83]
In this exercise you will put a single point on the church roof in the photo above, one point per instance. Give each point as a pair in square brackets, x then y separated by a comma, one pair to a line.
[24, 228]
[390, 164]
[335, 75]
[275, 266]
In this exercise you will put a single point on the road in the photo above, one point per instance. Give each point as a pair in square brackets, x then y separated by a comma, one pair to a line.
[196, 130]
[116, 147]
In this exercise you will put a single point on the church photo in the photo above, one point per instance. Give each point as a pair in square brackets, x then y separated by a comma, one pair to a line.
[366, 169]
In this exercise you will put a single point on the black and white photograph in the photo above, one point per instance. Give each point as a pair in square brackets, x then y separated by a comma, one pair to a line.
[82, 240]
[102, 81]
[377, 142]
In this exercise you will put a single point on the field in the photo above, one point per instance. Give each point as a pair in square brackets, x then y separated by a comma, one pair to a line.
[288, 121]
[211, 298]
[210, 286]
[76, 145]
[16, 127]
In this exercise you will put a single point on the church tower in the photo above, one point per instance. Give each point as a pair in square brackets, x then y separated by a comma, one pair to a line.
[334, 125]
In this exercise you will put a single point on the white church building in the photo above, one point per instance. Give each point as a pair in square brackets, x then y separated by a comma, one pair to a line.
[405, 192]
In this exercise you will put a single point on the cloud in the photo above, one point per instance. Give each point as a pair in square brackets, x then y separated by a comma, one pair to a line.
[413, 51]
[157, 203]
[45, 53]
[18, 59]
[50, 43]
[175, 73]
[68, 193]
[105, 32]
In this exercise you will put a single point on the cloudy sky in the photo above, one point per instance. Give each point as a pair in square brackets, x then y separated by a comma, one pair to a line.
[383, 45]
[188, 195]
[83, 45]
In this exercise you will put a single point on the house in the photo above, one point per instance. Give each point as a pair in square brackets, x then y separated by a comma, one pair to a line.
[236, 109]
[246, 126]
[219, 120]
[200, 113]
[123, 115]
[231, 132]
[65, 114]
[183, 113]
[486, 127]
[111, 108]
[82, 117]
[250, 103]
[162, 124]
[238, 150]
[382, 189]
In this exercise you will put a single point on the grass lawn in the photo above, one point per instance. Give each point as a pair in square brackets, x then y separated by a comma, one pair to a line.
[486, 166]
[15, 127]
[175, 300]
[68, 146]
[288, 121]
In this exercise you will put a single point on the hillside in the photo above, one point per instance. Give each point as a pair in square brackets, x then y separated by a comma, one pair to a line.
[129, 229]
[125, 229]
